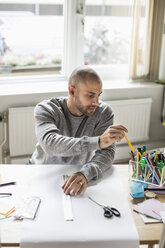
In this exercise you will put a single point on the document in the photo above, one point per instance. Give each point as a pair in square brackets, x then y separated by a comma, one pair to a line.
[90, 229]
[150, 207]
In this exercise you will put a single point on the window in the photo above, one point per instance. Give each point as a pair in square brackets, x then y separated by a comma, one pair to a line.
[50, 38]
[108, 25]
[33, 39]
[31, 36]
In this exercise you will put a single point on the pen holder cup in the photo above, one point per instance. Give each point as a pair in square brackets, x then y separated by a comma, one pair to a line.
[146, 173]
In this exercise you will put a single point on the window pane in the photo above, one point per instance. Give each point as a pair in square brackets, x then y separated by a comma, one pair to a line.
[108, 35]
[31, 36]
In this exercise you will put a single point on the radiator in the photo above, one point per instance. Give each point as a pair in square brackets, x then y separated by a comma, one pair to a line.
[134, 114]
[22, 138]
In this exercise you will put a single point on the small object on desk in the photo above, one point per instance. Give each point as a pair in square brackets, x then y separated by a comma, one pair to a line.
[148, 167]
[5, 214]
[7, 184]
[29, 208]
[67, 205]
[144, 149]
[12, 210]
[5, 194]
[147, 219]
[162, 214]
[156, 154]
[155, 189]
[137, 189]
[143, 164]
[149, 194]
[152, 168]
[108, 211]
[150, 207]
[147, 175]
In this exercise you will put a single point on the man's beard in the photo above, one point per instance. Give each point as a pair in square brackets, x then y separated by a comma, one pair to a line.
[85, 110]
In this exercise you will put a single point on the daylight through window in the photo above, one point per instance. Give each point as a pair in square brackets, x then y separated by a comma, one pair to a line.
[31, 36]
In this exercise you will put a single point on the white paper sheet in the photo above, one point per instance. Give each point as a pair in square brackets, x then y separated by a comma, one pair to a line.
[150, 207]
[162, 214]
[148, 219]
[90, 229]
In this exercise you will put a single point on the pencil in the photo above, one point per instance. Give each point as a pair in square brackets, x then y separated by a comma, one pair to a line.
[147, 175]
[156, 154]
[6, 184]
[151, 167]
[6, 194]
[129, 143]
[137, 162]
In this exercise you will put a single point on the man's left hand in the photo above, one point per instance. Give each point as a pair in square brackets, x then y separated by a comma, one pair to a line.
[75, 184]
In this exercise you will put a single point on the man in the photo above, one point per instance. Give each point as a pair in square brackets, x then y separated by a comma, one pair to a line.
[77, 130]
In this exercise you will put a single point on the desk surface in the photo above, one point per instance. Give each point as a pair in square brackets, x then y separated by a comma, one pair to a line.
[148, 233]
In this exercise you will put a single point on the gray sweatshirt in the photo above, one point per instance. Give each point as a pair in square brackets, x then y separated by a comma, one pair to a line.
[67, 139]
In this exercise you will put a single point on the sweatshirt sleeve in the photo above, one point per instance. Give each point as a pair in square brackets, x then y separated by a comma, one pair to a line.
[103, 158]
[52, 142]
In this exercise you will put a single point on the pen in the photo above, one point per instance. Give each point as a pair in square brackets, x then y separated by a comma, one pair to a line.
[147, 175]
[7, 194]
[156, 154]
[151, 167]
[137, 162]
[6, 184]
[155, 189]
[134, 172]
[129, 143]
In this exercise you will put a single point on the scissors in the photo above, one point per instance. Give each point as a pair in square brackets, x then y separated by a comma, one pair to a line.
[108, 211]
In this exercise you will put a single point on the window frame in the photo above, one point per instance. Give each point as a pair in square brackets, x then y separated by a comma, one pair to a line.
[73, 12]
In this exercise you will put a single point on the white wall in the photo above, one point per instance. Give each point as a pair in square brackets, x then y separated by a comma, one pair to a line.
[140, 90]
[11, 96]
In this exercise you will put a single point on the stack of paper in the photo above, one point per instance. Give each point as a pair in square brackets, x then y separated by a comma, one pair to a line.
[28, 209]
[151, 207]
[147, 219]
[25, 208]
[162, 213]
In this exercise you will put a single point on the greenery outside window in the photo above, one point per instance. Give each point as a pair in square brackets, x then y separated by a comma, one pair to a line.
[44, 40]
[31, 36]
[108, 26]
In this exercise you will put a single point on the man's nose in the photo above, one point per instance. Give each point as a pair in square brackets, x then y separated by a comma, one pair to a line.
[95, 101]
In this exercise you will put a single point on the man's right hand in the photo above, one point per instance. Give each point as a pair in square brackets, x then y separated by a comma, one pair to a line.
[112, 134]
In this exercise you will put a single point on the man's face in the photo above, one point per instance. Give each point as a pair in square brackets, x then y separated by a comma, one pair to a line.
[86, 97]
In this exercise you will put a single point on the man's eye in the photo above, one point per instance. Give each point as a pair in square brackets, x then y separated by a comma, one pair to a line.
[90, 96]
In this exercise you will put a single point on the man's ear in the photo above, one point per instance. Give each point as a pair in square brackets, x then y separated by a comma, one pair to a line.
[71, 89]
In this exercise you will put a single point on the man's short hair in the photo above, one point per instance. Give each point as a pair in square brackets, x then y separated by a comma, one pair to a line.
[83, 74]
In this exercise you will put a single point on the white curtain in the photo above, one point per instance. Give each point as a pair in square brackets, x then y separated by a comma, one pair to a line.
[147, 30]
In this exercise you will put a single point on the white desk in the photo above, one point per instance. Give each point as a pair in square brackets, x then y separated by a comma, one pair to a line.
[10, 231]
